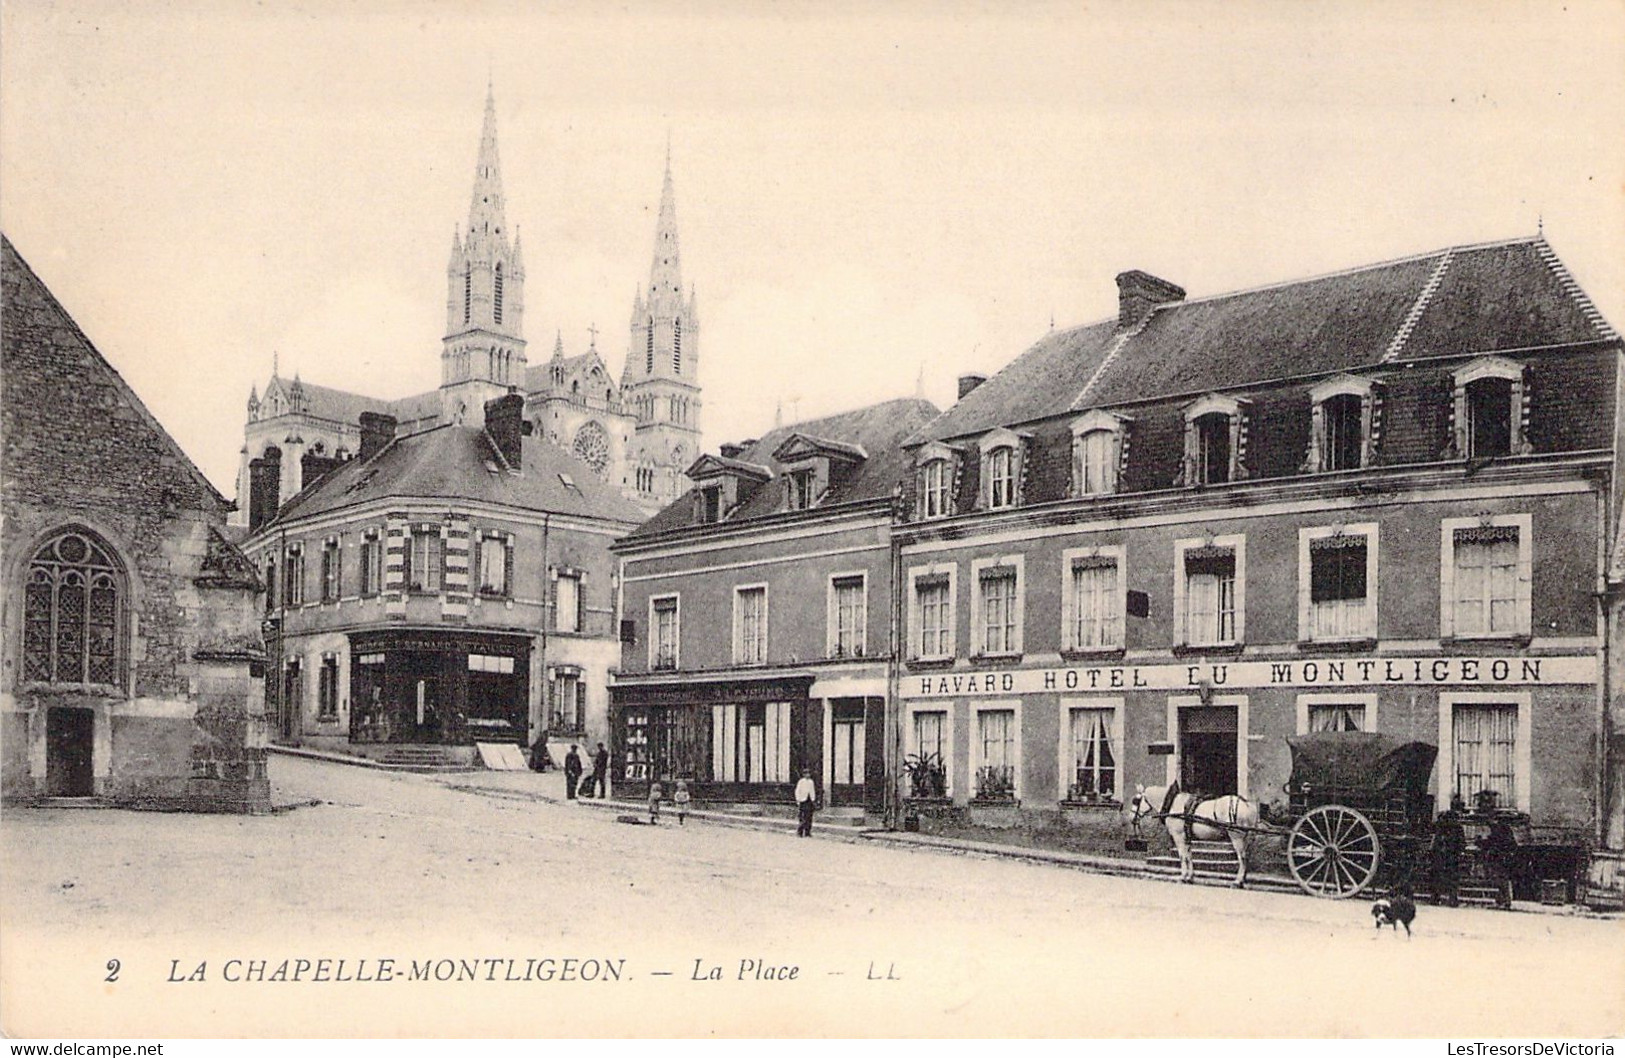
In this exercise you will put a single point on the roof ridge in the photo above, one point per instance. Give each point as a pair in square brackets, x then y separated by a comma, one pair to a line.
[1424, 298]
[1356, 269]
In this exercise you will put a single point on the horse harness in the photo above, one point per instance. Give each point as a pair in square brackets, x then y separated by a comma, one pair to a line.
[1188, 816]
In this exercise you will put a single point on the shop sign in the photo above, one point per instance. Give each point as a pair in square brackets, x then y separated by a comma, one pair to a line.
[1335, 673]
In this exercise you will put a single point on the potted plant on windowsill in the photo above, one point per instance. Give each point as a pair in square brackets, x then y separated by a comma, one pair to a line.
[995, 784]
[927, 777]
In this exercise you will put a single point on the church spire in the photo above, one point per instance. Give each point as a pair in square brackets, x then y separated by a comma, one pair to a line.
[485, 213]
[665, 271]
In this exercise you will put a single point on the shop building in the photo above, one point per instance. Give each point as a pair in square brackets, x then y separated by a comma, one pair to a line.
[756, 618]
[443, 588]
[1152, 547]
[131, 670]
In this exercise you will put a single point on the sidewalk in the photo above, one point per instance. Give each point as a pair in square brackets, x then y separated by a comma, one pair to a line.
[548, 787]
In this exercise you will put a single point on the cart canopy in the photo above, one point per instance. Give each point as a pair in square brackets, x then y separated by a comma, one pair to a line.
[1360, 760]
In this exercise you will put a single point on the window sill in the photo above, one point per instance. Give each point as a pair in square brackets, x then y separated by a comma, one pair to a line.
[1182, 650]
[1519, 640]
[931, 662]
[995, 801]
[91, 690]
[1348, 646]
[1098, 806]
[1094, 654]
[1010, 657]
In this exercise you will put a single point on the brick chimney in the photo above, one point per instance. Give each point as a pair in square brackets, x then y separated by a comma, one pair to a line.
[969, 382]
[376, 432]
[1138, 293]
[505, 425]
[733, 449]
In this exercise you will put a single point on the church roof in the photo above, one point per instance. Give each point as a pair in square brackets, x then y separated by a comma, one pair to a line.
[23, 290]
[879, 429]
[460, 463]
[1461, 300]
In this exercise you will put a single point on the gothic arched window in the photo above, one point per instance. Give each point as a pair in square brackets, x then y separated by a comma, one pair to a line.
[496, 296]
[71, 612]
[649, 349]
[677, 346]
[468, 291]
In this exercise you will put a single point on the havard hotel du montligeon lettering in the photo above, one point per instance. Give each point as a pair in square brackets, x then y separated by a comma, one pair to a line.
[1154, 547]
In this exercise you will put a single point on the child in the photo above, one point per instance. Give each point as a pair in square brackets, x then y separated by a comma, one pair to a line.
[681, 800]
[654, 802]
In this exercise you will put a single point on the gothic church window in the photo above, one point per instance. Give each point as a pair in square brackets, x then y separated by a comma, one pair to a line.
[496, 296]
[677, 346]
[468, 292]
[649, 348]
[71, 612]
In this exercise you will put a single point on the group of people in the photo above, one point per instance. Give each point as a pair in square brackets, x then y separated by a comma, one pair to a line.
[806, 802]
[597, 782]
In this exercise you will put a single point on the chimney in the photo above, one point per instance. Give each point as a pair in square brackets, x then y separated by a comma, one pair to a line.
[734, 449]
[969, 382]
[505, 425]
[376, 432]
[1138, 293]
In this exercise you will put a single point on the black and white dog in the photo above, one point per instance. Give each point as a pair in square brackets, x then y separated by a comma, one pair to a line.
[1396, 909]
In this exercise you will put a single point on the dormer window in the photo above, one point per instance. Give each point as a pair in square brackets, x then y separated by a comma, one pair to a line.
[1212, 441]
[1001, 470]
[1001, 477]
[1097, 449]
[1490, 401]
[934, 488]
[814, 467]
[1340, 434]
[935, 470]
[799, 487]
[710, 504]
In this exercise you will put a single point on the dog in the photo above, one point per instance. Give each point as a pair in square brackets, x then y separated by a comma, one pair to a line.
[1395, 909]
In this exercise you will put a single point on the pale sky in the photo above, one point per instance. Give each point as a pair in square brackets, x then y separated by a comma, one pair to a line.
[863, 192]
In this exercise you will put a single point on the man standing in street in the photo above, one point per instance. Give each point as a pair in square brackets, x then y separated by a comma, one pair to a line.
[806, 801]
[572, 773]
[600, 771]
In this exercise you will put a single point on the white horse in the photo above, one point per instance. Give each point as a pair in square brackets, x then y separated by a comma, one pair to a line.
[1233, 818]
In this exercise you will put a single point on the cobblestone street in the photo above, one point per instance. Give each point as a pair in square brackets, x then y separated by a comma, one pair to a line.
[457, 880]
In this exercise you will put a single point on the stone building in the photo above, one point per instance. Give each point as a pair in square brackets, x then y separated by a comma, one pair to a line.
[1152, 547]
[637, 432]
[756, 614]
[443, 588]
[131, 665]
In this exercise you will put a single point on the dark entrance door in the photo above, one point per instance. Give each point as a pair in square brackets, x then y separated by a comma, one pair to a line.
[69, 734]
[1207, 749]
[419, 711]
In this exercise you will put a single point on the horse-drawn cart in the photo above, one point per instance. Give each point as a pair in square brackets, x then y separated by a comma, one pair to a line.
[1360, 810]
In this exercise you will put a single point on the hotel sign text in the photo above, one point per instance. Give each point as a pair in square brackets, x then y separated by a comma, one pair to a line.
[1230, 675]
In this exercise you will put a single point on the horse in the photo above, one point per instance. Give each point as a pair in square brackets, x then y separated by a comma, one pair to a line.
[1233, 818]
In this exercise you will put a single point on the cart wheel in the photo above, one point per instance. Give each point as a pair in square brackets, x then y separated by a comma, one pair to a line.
[1333, 851]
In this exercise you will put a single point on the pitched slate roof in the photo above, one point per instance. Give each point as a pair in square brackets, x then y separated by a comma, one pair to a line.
[31, 287]
[879, 429]
[1462, 300]
[455, 463]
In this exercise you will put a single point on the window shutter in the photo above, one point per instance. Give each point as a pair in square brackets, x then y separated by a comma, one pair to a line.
[479, 564]
[507, 566]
